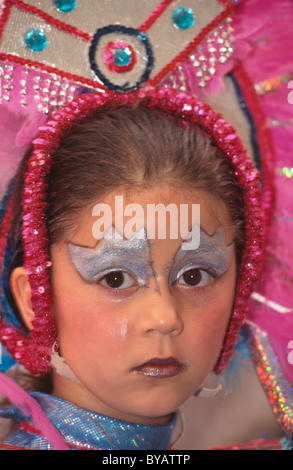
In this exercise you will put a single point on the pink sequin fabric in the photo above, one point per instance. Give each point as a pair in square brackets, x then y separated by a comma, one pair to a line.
[33, 351]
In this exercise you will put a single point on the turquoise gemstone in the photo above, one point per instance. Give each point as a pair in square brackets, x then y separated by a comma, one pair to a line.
[36, 40]
[122, 56]
[183, 18]
[65, 5]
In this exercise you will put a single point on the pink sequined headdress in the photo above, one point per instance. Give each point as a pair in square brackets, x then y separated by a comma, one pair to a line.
[122, 55]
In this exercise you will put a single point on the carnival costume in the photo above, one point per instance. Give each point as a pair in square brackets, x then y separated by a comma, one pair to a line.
[115, 64]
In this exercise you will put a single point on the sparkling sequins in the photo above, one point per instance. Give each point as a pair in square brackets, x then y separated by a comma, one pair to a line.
[273, 84]
[212, 51]
[119, 56]
[36, 40]
[65, 6]
[215, 50]
[286, 171]
[144, 71]
[277, 387]
[6, 81]
[120, 59]
[83, 429]
[183, 18]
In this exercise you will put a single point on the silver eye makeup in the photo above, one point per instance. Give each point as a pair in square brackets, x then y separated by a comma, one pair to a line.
[121, 264]
[116, 263]
[198, 268]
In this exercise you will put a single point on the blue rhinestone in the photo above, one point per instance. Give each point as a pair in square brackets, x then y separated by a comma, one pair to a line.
[36, 40]
[183, 18]
[65, 5]
[122, 56]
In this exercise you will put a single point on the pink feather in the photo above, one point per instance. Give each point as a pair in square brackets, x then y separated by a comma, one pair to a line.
[30, 407]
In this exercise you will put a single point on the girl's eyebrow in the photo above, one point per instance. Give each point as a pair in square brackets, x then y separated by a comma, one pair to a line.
[112, 236]
[214, 245]
[212, 252]
[132, 254]
[216, 241]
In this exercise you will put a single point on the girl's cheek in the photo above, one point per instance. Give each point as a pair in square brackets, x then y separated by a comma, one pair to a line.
[101, 322]
[197, 298]
[217, 295]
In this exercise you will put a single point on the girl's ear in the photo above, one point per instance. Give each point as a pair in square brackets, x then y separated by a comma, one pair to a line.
[21, 291]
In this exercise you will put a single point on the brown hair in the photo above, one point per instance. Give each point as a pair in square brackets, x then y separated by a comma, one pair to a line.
[135, 148]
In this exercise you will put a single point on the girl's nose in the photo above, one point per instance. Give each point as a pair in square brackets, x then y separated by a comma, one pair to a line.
[160, 314]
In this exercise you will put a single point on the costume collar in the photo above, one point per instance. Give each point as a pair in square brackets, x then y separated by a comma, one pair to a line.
[91, 430]
[88, 430]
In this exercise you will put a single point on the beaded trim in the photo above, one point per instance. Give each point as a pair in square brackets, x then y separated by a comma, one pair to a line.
[34, 351]
[130, 32]
[46, 17]
[193, 44]
[92, 39]
[155, 15]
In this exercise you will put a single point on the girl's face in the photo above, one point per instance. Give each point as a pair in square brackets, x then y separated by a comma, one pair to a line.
[141, 321]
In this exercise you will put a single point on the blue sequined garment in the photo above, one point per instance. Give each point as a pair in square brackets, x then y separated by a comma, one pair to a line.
[83, 429]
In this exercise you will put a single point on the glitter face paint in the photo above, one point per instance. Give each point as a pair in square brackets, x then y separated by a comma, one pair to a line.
[213, 255]
[127, 256]
[133, 258]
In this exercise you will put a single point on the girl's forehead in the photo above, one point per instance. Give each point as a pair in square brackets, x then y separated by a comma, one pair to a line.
[166, 214]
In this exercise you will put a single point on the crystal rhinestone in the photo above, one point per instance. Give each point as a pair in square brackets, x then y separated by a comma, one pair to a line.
[65, 5]
[122, 56]
[183, 18]
[36, 40]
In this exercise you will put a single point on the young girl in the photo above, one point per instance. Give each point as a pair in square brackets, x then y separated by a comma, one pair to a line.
[125, 320]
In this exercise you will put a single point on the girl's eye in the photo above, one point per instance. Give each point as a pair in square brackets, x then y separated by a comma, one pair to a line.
[195, 277]
[117, 280]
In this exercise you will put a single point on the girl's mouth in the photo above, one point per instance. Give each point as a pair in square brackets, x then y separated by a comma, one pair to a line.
[160, 368]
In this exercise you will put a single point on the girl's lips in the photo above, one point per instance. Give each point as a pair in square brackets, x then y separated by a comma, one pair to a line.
[160, 368]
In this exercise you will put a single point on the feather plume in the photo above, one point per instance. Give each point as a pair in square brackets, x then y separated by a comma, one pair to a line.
[31, 408]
